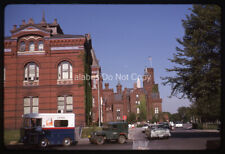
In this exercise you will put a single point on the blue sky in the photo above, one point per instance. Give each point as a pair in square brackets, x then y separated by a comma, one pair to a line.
[123, 36]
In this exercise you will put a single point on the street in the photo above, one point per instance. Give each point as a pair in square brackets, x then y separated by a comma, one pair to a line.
[181, 139]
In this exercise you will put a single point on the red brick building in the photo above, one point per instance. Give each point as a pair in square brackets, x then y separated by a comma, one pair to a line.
[42, 71]
[123, 102]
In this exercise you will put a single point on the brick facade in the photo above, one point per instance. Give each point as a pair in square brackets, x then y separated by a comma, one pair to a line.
[43, 80]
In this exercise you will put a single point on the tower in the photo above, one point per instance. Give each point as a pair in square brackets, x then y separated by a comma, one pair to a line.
[148, 78]
[138, 83]
[119, 88]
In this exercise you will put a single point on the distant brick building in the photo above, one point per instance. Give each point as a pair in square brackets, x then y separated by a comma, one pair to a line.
[121, 103]
[42, 67]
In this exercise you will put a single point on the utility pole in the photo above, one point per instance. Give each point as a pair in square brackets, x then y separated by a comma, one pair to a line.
[99, 107]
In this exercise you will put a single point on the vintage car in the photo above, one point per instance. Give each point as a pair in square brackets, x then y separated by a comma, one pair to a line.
[144, 127]
[117, 131]
[157, 131]
[179, 125]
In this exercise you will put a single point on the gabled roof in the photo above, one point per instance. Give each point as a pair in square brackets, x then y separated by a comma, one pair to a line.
[31, 25]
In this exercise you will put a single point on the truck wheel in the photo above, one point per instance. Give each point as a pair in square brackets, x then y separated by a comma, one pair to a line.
[66, 142]
[44, 143]
[121, 139]
[91, 141]
[99, 140]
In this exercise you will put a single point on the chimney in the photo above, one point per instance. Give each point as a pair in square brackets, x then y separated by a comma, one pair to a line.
[14, 27]
[119, 88]
[23, 22]
[135, 85]
[55, 22]
[30, 21]
[88, 36]
[107, 86]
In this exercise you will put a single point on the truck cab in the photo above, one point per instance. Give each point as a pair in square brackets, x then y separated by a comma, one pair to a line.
[48, 129]
[110, 131]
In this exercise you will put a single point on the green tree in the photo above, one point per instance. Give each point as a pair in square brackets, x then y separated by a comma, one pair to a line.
[131, 118]
[184, 114]
[142, 116]
[197, 62]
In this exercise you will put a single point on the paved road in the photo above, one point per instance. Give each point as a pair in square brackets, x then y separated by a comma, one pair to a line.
[181, 139]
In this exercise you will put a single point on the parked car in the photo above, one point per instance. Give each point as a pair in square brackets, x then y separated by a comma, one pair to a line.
[157, 131]
[110, 131]
[144, 127]
[164, 125]
[179, 125]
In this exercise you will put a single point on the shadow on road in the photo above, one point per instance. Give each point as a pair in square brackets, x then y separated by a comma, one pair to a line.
[194, 134]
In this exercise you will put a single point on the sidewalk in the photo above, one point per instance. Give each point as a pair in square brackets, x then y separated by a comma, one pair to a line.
[206, 130]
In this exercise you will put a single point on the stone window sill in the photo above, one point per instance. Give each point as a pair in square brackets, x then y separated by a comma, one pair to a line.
[31, 83]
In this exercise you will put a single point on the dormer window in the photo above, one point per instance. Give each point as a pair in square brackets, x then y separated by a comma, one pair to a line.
[40, 46]
[31, 46]
[22, 46]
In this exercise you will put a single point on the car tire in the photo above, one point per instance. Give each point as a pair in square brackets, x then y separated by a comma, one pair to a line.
[43, 143]
[122, 139]
[66, 142]
[100, 140]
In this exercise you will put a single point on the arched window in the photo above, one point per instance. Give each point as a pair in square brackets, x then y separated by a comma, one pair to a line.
[40, 46]
[31, 46]
[22, 46]
[31, 72]
[65, 70]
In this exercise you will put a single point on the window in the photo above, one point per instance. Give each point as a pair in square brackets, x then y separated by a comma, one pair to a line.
[65, 104]
[138, 110]
[118, 114]
[93, 102]
[31, 72]
[40, 46]
[94, 84]
[61, 123]
[31, 46]
[30, 104]
[156, 110]
[65, 70]
[22, 46]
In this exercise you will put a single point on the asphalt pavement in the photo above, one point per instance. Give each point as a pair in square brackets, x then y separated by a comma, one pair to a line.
[181, 139]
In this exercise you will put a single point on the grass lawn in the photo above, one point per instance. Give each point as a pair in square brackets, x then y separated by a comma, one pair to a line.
[87, 131]
[11, 135]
